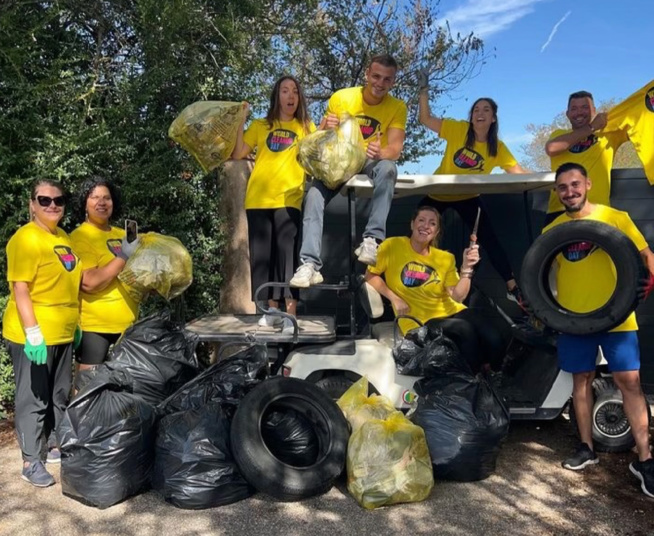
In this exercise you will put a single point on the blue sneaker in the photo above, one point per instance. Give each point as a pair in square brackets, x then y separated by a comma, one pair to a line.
[54, 456]
[36, 475]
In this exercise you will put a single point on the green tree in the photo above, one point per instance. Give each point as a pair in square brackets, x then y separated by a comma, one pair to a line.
[537, 159]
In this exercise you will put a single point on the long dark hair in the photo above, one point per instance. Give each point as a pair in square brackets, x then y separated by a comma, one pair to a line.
[429, 208]
[86, 190]
[493, 139]
[301, 113]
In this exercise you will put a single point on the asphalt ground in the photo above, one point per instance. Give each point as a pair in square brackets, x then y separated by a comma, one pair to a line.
[529, 494]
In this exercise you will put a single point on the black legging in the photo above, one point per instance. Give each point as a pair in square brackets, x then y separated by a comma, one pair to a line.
[273, 235]
[467, 209]
[478, 341]
[94, 346]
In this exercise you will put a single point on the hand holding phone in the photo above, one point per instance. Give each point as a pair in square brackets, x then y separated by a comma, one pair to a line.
[131, 230]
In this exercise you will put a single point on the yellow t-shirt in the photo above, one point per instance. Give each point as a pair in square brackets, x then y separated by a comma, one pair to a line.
[459, 160]
[635, 117]
[595, 153]
[277, 179]
[586, 276]
[419, 280]
[111, 310]
[52, 271]
[389, 113]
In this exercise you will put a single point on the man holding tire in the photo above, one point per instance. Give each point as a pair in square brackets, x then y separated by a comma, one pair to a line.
[585, 278]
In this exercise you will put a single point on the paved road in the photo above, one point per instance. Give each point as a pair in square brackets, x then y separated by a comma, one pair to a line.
[529, 494]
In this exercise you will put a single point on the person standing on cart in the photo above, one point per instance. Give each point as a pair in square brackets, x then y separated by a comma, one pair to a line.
[39, 326]
[584, 144]
[382, 119]
[273, 199]
[585, 278]
[106, 307]
[473, 147]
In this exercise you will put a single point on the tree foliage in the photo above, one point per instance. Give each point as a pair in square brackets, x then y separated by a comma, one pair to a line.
[537, 159]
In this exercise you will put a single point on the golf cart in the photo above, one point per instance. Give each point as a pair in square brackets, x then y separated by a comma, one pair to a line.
[531, 384]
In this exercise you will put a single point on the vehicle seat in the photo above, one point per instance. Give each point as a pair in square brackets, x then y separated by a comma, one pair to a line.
[372, 304]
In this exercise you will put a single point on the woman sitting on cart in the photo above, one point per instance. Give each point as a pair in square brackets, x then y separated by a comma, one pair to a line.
[422, 281]
[473, 147]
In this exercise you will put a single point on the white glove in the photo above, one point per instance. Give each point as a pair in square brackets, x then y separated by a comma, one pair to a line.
[128, 248]
[34, 335]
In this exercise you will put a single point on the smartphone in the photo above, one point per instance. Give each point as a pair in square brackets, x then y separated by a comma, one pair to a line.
[131, 230]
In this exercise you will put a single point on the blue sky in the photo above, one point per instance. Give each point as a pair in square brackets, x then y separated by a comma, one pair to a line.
[603, 46]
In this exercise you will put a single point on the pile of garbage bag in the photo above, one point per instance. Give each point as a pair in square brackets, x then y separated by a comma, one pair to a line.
[207, 130]
[333, 156]
[388, 459]
[160, 263]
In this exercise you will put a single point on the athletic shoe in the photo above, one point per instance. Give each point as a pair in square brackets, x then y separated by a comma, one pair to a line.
[36, 474]
[270, 321]
[287, 327]
[54, 456]
[367, 251]
[305, 276]
[582, 457]
[644, 472]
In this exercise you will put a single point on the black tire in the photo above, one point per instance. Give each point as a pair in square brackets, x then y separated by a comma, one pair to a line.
[259, 465]
[538, 261]
[611, 430]
[335, 386]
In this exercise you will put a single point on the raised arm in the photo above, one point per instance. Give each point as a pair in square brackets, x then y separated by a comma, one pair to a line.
[460, 291]
[563, 142]
[424, 112]
[241, 149]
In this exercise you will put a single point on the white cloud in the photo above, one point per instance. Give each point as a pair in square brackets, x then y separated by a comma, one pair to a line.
[487, 17]
[553, 32]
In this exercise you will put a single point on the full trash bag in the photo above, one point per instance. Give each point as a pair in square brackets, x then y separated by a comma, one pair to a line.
[388, 462]
[160, 263]
[107, 439]
[226, 382]
[290, 437]
[359, 408]
[465, 424]
[194, 467]
[333, 156]
[427, 352]
[208, 130]
[158, 356]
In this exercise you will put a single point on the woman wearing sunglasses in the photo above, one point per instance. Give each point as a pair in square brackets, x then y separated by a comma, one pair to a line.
[106, 308]
[39, 325]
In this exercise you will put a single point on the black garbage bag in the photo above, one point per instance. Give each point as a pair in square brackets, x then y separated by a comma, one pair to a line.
[227, 382]
[427, 352]
[290, 437]
[107, 441]
[158, 355]
[194, 467]
[465, 424]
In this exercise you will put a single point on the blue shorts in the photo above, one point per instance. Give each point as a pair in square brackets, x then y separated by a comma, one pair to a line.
[578, 353]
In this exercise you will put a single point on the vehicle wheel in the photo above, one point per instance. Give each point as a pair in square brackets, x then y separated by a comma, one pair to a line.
[335, 386]
[611, 429]
[260, 467]
[538, 261]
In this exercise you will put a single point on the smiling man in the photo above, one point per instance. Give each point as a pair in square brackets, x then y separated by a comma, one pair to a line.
[585, 281]
[382, 119]
[586, 144]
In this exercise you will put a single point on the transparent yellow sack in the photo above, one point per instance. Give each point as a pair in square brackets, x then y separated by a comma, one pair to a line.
[388, 462]
[359, 408]
[160, 263]
[207, 130]
[333, 156]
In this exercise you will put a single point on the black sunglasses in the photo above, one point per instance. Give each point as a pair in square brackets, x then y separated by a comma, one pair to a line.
[45, 201]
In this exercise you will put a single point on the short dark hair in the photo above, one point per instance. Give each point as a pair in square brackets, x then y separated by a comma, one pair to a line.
[580, 95]
[570, 166]
[384, 59]
[87, 188]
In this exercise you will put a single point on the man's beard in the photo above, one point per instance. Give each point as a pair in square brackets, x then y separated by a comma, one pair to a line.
[577, 207]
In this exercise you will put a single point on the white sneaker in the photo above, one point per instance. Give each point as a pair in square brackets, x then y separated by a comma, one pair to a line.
[287, 327]
[270, 321]
[305, 276]
[367, 251]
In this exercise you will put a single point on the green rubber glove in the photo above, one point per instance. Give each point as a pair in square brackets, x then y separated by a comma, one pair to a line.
[35, 349]
[77, 338]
